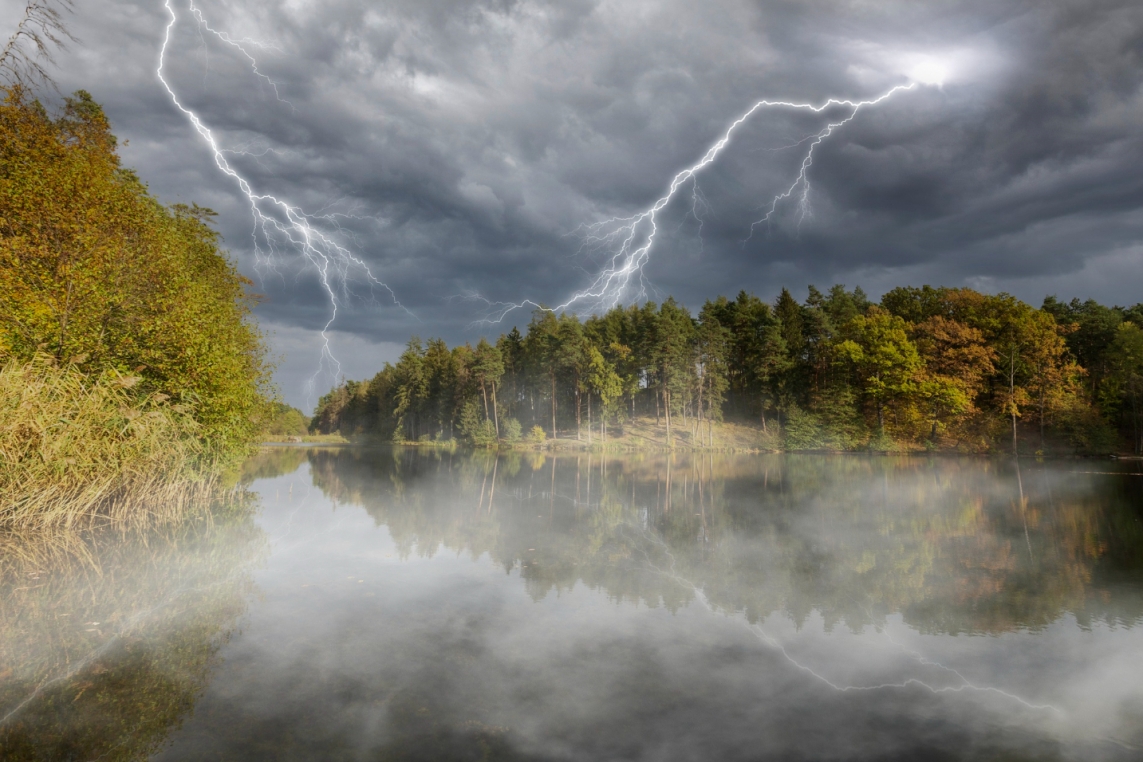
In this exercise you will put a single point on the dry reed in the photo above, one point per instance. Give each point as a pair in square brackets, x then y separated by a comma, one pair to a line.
[77, 450]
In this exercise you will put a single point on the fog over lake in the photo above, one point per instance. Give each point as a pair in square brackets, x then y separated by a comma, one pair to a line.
[409, 604]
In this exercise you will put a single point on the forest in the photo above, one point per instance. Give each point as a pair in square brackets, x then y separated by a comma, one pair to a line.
[926, 368]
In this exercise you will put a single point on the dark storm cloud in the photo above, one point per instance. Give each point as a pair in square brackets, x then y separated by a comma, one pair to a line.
[463, 143]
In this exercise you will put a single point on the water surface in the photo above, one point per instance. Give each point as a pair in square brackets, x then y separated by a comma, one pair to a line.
[409, 604]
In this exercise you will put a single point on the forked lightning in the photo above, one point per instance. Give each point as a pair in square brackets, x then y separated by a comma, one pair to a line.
[630, 240]
[279, 224]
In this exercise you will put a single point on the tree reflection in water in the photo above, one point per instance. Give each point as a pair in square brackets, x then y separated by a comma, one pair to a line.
[954, 545]
[105, 649]
[107, 639]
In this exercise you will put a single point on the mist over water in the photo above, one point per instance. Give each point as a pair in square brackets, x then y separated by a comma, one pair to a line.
[409, 604]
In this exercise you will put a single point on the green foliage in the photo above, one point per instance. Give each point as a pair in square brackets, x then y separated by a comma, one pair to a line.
[537, 435]
[476, 430]
[284, 421]
[928, 368]
[803, 431]
[93, 267]
[511, 431]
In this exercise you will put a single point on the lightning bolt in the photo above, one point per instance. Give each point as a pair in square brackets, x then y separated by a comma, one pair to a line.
[630, 240]
[279, 224]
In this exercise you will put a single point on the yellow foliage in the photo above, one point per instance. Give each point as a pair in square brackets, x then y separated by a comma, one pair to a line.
[94, 270]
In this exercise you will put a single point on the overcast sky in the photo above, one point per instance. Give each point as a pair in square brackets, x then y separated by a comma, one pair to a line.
[462, 150]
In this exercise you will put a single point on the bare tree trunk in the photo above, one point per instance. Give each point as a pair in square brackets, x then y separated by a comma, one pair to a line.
[495, 413]
[578, 405]
[1135, 419]
[553, 377]
[1041, 417]
[589, 418]
[1012, 398]
[484, 392]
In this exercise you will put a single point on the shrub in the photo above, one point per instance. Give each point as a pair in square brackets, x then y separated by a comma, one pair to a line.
[1086, 430]
[803, 431]
[476, 430]
[511, 431]
[537, 435]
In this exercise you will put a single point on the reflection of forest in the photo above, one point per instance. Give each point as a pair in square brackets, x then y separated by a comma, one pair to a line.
[106, 641]
[954, 545]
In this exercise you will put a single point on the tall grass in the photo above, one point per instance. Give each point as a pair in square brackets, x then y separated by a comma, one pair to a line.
[77, 450]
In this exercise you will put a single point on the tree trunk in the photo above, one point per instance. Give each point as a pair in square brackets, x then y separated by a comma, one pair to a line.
[667, 413]
[484, 392]
[1012, 398]
[1041, 418]
[495, 412]
[578, 406]
[553, 377]
[698, 411]
[1135, 417]
[589, 419]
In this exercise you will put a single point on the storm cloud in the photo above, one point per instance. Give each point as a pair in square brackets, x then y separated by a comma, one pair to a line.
[460, 147]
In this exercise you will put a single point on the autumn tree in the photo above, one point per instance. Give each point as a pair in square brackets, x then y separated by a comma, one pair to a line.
[93, 269]
[957, 362]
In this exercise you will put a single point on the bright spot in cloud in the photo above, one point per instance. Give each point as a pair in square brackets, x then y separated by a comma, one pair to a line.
[930, 71]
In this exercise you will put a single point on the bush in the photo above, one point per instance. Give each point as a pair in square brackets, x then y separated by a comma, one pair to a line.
[803, 431]
[511, 431]
[537, 435]
[1086, 430]
[476, 430]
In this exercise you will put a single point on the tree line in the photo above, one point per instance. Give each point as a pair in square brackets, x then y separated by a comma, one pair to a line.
[925, 368]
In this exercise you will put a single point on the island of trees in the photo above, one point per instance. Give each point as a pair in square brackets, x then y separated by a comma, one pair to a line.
[924, 369]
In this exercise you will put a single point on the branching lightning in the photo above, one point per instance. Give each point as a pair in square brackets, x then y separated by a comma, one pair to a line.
[964, 685]
[278, 224]
[630, 240]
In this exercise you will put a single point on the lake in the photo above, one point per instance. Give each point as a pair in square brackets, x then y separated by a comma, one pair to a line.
[420, 604]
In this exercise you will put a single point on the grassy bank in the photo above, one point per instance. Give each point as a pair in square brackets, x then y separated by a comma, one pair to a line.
[645, 434]
[77, 450]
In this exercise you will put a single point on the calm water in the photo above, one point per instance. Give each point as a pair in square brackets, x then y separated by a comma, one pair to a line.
[399, 604]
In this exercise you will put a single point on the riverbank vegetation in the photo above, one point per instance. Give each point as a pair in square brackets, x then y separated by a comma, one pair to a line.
[925, 369]
[129, 360]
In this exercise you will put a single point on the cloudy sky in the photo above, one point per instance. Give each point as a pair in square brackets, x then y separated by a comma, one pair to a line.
[466, 151]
